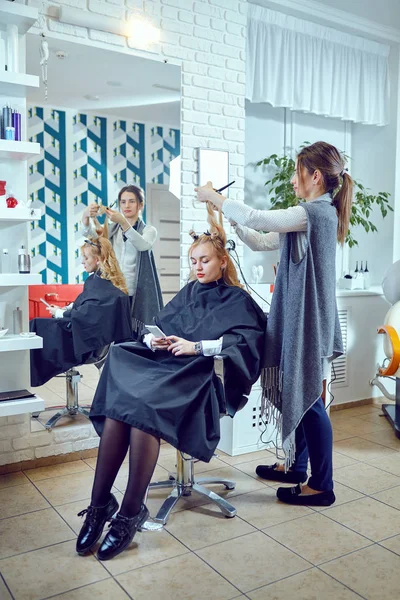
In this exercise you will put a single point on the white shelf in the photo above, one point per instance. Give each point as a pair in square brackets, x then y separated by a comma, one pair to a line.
[20, 214]
[17, 279]
[17, 84]
[373, 291]
[9, 343]
[11, 149]
[22, 406]
[17, 14]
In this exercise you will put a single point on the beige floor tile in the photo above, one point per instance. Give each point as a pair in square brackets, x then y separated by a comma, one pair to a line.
[68, 488]
[390, 463]
[104, 590]
[309, 585]
[262, 509]
[50, 571]
[20, 499]
[168, 462]
[376, 417]
[69, 512]
[361, 449]
[264, 457]
[41, 473]
[358, 426]
[4, 593]
[31, 531]
[339, 434]
[355, 411]
[244, 483]
[343, 494]
[392, 544]
[252, 560]
[147, 548]
[91, 462]
[390, 497]
[365, 479]
[385, 438]
[372, 572]
[182, 578]
[250, 469]
[206, 525]
[317, 538]
[367, 517]
[341, 460]
[12, 479]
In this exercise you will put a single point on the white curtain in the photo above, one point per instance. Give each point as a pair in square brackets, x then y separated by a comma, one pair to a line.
[300, 65]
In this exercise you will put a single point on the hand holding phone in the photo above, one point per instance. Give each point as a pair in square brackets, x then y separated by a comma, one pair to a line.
[158, 333]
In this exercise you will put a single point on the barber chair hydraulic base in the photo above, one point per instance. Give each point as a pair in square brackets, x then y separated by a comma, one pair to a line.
[72, 407]
[185, 483]
[391, 411]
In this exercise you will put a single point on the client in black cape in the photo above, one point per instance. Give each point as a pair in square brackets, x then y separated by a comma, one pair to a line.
[165, 388]
[100, 315]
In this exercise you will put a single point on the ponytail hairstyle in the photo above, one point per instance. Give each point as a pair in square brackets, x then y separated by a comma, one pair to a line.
[328, 160]
[108, 264]
[102, 230]
[217, 237]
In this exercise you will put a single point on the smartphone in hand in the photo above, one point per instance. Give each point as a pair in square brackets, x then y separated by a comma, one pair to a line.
[156, 331]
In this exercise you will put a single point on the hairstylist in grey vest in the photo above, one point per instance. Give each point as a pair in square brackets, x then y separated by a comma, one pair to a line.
[303, 334]
[132, 241]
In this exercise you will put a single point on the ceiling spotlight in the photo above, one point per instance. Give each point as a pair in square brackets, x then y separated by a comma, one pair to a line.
[91, 97]
[61, 54]
[114, 83]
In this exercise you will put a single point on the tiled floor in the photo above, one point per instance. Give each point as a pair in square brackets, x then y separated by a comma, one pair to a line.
[268, 551]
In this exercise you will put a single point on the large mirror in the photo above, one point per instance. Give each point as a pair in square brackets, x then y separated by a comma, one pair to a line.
[109, 120]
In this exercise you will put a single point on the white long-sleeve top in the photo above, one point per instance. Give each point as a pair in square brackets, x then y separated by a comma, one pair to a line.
[126, 249]
[210, 347]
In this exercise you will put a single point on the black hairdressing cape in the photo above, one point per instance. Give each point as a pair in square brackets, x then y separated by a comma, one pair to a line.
[175, 397]
[100, 315]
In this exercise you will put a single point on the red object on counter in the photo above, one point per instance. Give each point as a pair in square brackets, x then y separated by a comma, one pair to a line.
[58, 294]
[11, 201]
[3, 188]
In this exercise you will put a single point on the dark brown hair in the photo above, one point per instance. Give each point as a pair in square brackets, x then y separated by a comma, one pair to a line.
[133, 189]
[328, 160]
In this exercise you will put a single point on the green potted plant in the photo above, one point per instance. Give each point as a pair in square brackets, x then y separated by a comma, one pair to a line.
[281, 194]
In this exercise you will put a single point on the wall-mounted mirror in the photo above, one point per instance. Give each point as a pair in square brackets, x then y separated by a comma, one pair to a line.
[109, 120]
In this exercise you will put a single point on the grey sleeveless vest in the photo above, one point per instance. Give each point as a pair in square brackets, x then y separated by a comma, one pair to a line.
[303, 325]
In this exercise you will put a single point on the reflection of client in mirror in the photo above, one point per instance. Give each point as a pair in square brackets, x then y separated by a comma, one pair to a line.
[100, 315]
[155, 390]
[132, 241]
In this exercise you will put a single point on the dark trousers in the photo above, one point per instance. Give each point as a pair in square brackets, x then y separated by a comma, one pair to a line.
[314, 441]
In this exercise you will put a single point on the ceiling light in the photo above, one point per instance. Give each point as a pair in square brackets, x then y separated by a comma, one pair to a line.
[91, 97]
[114, 83]
[141, 32]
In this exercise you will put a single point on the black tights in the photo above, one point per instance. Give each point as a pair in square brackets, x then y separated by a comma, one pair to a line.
[115, 440]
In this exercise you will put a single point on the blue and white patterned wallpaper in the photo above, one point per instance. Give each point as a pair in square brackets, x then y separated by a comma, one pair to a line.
[85, 159]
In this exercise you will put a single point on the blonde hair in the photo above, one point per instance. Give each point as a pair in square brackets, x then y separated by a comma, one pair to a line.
[216, 237]
[108, 264]
[327, 159]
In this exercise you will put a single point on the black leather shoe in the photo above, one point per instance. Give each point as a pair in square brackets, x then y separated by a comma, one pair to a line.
[96, 517]
[292, 496]
[270, 472]
[122, 532]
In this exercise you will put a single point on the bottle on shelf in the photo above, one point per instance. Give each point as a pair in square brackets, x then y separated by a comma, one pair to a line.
[24, 261]
[10, 124]
[5, 261]
[17, 320]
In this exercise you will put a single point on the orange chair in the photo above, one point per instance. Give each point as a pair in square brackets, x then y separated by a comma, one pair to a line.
[58, 294]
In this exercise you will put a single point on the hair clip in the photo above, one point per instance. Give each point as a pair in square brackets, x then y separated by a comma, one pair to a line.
[207, 233]
[193, 234]
[93, 244]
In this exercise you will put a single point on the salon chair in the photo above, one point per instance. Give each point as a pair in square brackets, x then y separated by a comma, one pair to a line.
[184, 482]
[391, 365]
[72, 378]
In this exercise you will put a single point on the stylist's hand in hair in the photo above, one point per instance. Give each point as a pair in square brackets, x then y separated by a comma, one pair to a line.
[92, 210]
[206, 193]
[52, 309]
[180, 346]
[116, 217]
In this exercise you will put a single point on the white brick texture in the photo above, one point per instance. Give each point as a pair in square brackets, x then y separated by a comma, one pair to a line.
[207, 38]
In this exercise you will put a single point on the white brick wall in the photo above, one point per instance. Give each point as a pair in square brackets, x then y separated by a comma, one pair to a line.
[207, 39]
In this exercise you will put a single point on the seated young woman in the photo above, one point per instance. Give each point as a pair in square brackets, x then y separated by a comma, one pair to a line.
[165, 388]
[100, 315]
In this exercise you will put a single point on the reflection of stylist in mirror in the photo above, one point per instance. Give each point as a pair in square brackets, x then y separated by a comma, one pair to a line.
[132, 241]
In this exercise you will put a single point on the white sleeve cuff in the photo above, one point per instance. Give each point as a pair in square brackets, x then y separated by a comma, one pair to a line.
[147, 340]
[212, 347]
[59, 313]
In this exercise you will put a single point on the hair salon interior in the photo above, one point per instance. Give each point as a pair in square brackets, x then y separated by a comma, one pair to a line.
[165, 95]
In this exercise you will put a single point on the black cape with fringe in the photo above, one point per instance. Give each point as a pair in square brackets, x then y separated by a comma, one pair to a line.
[100, 315]
[175, 398]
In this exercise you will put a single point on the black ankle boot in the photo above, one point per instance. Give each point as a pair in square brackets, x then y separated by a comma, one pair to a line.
[93, 526]
[121, 534]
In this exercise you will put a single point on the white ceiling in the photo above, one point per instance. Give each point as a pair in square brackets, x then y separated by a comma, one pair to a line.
[88, 71]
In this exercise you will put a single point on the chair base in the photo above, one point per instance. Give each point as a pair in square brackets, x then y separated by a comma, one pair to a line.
[185, 484]
[67, 412]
